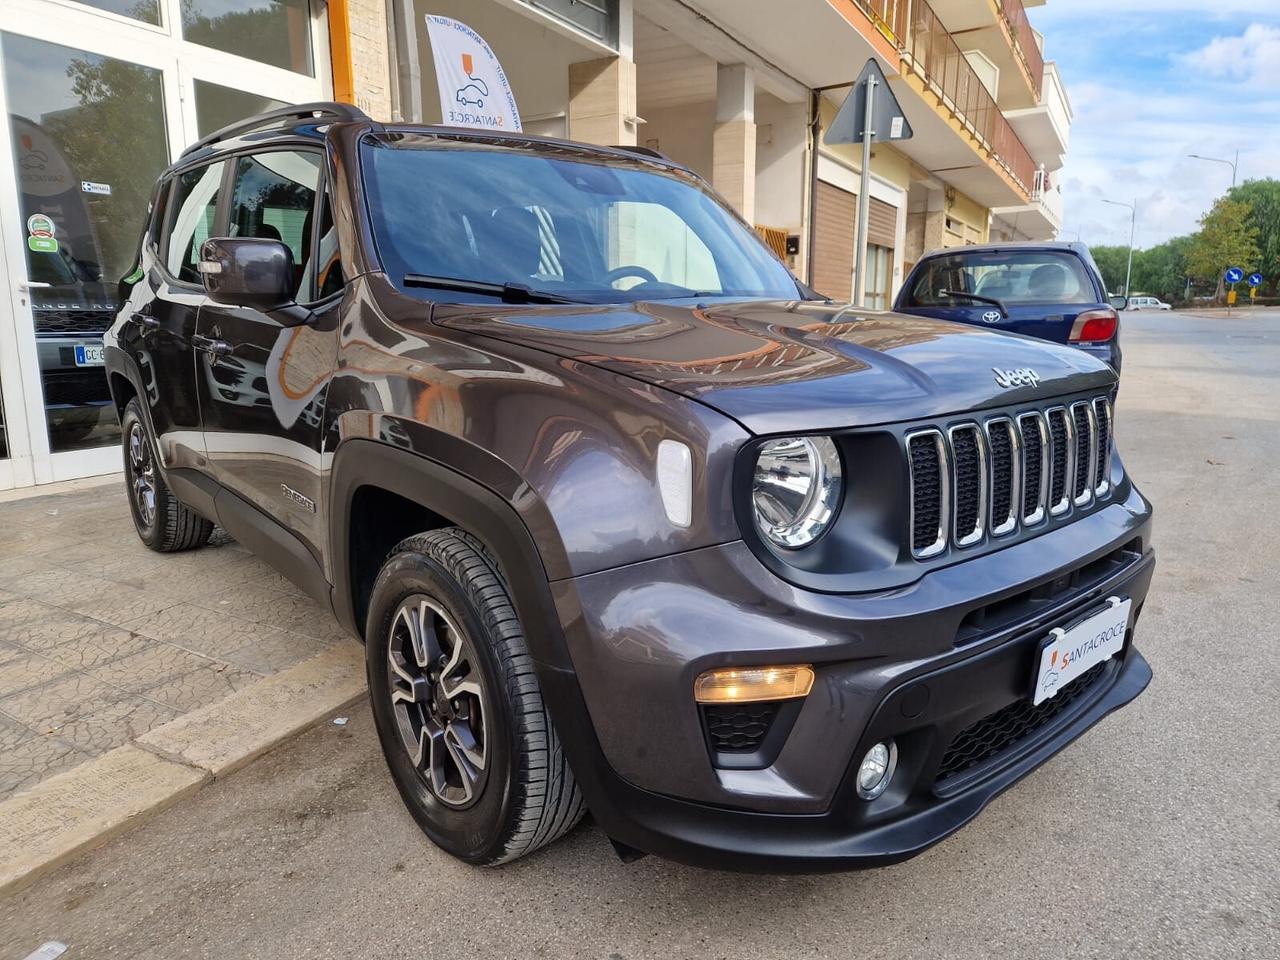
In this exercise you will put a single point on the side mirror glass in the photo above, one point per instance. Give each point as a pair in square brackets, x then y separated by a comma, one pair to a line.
[1119, 302]
[247, 272]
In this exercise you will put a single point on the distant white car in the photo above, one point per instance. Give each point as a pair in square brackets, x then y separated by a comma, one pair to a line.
[1147, 303]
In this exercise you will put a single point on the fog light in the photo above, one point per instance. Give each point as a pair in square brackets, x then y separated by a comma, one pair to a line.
[753, 684]
[876, 770]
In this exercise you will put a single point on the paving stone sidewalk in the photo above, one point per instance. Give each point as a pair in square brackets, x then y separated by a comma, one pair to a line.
[102, 640]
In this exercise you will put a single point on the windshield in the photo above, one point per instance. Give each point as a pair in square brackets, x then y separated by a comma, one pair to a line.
[566, 225]
[1012, 277]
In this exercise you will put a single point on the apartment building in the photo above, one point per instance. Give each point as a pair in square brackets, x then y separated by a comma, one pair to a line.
[102, 94]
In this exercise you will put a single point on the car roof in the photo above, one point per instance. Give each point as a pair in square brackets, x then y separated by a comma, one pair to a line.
[311, 121]
[1061, 246]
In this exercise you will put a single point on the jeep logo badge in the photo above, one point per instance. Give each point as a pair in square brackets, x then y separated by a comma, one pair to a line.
[991, 316]
[1023, 377]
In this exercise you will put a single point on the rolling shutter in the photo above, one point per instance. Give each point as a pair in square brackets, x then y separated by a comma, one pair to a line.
[834, 227]
[882, 224]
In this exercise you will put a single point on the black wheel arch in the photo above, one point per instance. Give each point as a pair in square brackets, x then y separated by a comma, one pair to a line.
[446, 498]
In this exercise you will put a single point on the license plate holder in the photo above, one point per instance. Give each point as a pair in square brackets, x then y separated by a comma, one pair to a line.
[1069, 652]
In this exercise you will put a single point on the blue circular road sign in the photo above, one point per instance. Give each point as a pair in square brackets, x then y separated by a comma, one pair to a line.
[1234, 274]
[1255, 279]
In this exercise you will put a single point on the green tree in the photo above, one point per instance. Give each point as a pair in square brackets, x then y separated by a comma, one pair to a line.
[1227, 238]
[1113, 262]
[1263, 196]
[1161, 271]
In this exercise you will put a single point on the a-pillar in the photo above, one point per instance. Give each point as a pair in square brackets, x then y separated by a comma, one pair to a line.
[733, 145]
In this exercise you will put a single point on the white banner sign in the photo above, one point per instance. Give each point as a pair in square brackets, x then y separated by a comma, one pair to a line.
[473, 89]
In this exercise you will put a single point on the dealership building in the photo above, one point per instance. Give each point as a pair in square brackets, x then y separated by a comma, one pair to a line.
[102, 94]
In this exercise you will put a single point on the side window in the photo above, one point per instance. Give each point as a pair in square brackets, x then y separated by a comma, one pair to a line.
[195, 207]
[329, 277]
[655, 238]
[155, 228]
[273, 198]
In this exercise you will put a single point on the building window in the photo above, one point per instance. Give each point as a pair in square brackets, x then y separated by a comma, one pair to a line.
[274, 32]
[148, 11]
[879, 283]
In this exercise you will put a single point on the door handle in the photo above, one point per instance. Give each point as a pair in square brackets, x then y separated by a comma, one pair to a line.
[27, 285]
[147, 321]
[219, 348]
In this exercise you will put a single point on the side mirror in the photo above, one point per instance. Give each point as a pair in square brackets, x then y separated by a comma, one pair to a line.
[247, 272]
[1119, 303]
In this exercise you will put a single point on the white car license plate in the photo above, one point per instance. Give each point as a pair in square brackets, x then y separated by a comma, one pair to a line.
[1066, 654]
[90, 355]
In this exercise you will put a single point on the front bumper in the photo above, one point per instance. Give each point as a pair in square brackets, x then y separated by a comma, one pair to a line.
[921, 664]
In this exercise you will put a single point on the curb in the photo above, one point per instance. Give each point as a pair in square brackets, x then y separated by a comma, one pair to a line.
[83, 807]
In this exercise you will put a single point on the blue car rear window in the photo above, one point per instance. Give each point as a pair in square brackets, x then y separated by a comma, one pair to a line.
[1014, 276]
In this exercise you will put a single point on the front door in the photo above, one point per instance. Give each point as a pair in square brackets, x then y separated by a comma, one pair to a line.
[262, 387]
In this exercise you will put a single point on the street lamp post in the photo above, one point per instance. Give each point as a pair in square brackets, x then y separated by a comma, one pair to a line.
[1233, 164]
[1133, 227]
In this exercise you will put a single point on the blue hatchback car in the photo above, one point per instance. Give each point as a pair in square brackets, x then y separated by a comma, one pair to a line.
[1053, 291]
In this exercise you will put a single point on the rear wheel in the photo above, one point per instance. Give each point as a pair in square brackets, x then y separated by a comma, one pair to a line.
[456, 703]
[163, 523]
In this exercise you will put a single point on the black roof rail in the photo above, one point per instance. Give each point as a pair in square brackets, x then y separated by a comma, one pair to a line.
[643, 151]
[301, 111]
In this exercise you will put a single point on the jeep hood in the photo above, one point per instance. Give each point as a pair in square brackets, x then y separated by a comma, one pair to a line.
[777, 366]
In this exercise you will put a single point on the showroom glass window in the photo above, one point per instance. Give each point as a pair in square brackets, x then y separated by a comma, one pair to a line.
[83, 198]
[274, 32]
[148, 11]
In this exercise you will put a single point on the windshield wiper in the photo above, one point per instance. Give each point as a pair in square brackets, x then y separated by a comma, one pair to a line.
[509, 292]
[963, 295]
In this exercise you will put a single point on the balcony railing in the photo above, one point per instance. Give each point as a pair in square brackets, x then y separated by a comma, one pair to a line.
[1016, 16]
[932, 53]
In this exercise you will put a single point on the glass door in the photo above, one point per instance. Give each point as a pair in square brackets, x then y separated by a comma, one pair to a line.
[98, 96]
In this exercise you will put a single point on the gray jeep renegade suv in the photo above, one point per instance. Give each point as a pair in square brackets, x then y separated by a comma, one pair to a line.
[628, 519]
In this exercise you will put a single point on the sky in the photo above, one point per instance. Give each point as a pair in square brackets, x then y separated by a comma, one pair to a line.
[1151, 81]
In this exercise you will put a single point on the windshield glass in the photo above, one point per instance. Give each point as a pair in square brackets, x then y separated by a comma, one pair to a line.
[1012, 277]
[558, 222]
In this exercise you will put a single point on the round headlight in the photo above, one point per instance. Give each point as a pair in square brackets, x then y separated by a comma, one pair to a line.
[796, 489]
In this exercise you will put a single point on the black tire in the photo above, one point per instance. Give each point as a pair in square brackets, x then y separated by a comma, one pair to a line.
[523, 795]
[163, 523]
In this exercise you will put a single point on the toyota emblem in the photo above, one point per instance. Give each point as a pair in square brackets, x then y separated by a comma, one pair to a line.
[991, 316]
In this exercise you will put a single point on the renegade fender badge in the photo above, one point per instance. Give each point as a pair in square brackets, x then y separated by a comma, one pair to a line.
[1023, 377]
[303, 501]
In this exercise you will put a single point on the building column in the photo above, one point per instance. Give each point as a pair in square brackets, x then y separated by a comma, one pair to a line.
[602, 101]
[733, 144]
[358, 47]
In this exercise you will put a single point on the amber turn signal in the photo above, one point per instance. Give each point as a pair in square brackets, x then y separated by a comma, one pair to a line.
[753, 684]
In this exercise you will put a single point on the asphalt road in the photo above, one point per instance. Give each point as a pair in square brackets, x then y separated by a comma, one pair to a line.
[1156, 835]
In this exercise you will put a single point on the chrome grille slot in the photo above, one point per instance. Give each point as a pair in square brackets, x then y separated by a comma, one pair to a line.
[927, 464]
[1004, 442]
[969, 484]
[1102, 475]
[1086, 455]
[1012, 472]
[1035, 468]
[1061, 460]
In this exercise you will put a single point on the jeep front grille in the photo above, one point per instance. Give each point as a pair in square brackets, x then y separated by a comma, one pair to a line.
[53, 321]
[987, 478]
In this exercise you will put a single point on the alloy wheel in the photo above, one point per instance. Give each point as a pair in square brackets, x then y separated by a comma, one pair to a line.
[438, 700]
[142, 474]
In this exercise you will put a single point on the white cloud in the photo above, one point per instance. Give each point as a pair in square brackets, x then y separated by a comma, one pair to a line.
[1253, 56]
[1152, 81]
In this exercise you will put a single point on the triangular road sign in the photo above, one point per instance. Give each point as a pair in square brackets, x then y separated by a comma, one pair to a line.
[888, 122]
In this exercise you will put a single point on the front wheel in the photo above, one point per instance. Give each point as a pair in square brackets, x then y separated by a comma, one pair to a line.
[456, 703]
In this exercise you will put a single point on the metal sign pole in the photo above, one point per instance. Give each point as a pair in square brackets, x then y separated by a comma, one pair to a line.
[864, 198]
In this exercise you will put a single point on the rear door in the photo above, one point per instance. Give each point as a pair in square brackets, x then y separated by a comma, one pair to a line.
[162, 318]
[1042, 291]
[262, 383]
